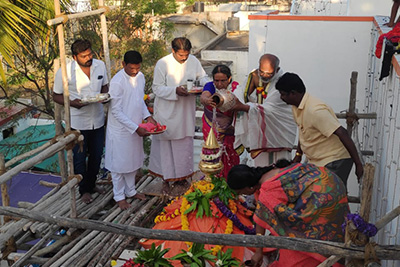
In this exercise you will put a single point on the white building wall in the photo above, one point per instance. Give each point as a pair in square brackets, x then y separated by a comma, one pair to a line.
[323, 53]
[239, 61]
[382, 136]
[341, 7]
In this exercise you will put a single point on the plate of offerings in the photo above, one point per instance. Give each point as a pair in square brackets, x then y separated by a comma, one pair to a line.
[195, 90]
[153, 129]
[99, 98]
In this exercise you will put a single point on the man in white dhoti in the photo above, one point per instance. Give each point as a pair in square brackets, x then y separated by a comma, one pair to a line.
[171, 155]
[124, 137]
[264, 123]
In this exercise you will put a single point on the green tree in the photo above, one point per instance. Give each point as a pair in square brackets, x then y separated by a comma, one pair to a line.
[31, 64]
[15, 21]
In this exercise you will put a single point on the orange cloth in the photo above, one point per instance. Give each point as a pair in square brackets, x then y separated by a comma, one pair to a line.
[214, 224]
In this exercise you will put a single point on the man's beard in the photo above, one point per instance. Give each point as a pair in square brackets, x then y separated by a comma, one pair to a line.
[87, 63]
[265, 80]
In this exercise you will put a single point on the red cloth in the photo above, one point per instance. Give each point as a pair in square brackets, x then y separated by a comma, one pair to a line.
[393, 35]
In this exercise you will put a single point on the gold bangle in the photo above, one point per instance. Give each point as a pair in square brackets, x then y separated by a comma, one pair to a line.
[299, 154]
[259, 234]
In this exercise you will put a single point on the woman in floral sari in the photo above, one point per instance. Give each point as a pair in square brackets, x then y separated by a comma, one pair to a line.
[295, 200]
[224, 130]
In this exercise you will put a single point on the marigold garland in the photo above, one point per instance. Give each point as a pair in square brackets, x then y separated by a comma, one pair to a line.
[229, 212]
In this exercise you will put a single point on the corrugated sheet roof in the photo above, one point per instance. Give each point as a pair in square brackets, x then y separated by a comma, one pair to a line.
[28, 139]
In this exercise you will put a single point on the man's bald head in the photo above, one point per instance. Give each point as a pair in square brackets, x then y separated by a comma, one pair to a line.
[268, 67]
[271, 59]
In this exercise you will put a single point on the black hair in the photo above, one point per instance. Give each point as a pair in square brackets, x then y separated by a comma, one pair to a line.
[133, 57]
[241, 176]
[181, 43]
[80, 46]
[290, 82]
[222, 69]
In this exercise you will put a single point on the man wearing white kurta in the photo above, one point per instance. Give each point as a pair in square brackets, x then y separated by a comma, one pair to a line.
[263, 121]
[171, 154]
[124, 142]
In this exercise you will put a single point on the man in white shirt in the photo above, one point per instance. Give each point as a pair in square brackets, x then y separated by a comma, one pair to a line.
[264, 124]
[171, 155]
[87, 77]
[124, 138]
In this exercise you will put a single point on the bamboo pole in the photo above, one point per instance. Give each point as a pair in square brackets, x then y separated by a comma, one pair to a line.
[104, 34]
[5, 198]
[27, 154]
[379, 225]
[78, 248]
[309, 245]
[32, 260]
[35, 248]
[59, 131]
[67, 113]
[366, 195]
[63, 18]
[135, 220]
[359, 115]
[352, 102]
[48, 152]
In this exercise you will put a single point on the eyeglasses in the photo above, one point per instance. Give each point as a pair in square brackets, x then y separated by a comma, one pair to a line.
[264, 73]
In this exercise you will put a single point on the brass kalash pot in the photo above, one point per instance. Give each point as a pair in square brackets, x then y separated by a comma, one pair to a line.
[224, 99]
[210, 162]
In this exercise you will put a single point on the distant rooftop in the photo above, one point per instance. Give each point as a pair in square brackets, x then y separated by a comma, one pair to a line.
[235, 41]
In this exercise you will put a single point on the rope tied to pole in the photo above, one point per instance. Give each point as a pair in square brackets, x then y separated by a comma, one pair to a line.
[77, 140]
[351, 118]
[358, 232]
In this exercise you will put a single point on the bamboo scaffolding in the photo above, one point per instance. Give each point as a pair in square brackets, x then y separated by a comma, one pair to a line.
[111, 237]
[59, 131]
[380, 224]
[17, 226]
[63, 18]
[134, 221]
[85, 252]
[32, 260]
[5, 198]
[35, 248]
[309, 245]
[48, 152]
[77, 250]
[27, 154]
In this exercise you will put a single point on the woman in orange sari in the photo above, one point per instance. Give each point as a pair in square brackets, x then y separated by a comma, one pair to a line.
[295, 200]
[224, 130]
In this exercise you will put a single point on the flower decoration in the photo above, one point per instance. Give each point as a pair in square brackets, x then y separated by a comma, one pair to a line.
[229, 214]
[261, 91]
[234, 85]
[132, 263]
[362, 226]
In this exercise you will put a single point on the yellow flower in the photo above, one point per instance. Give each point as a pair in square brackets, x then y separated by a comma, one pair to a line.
[113, 262]
[145, 97]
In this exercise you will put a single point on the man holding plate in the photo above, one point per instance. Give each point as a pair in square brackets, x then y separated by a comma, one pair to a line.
[124, 139]
[171, 155]
[86, 77]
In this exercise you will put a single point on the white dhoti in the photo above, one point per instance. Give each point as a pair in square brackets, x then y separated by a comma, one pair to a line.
[172, 160]
[123, 185]
[267, 158]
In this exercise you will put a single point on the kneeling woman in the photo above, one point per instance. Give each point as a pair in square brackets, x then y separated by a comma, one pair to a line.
[295, 200]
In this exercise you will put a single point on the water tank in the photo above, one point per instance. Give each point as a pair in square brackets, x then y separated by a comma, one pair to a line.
[198, 7]
[233, 24]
